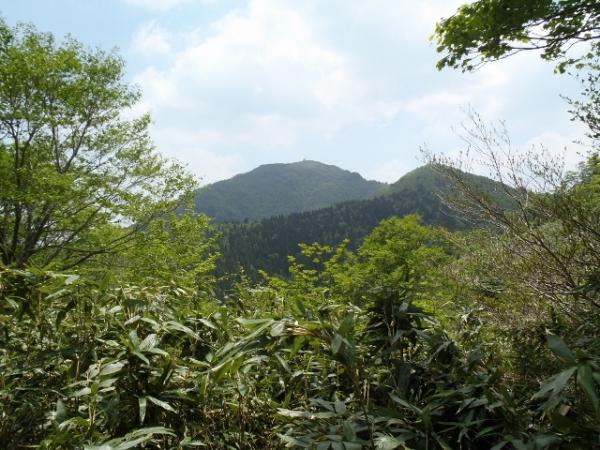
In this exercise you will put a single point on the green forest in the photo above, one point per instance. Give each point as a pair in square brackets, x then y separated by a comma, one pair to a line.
[265, 245]
[302, 186]
[446, 311]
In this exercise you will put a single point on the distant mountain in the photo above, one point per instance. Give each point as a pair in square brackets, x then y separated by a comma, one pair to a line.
[276, 189]
[265, 244]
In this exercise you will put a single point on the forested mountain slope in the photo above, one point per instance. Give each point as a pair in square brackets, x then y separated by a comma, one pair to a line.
[275, 189]
[266, 244]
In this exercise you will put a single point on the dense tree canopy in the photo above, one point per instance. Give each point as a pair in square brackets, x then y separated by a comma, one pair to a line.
[71, 162]
[488, 30]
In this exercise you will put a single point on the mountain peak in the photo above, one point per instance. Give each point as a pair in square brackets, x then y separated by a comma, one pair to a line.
[283, 188]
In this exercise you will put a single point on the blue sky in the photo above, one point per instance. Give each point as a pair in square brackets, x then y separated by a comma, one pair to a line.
[234, 84]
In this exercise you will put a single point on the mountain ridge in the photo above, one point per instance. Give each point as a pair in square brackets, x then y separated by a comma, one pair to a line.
[265, 244]
[283, 188]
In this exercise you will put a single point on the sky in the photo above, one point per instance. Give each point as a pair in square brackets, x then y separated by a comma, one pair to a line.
[234, 84]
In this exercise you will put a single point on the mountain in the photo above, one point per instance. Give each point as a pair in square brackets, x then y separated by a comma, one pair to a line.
[265, 244]
[276, 189]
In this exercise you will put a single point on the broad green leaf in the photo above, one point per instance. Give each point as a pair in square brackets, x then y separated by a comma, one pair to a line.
[556, 384]
[82, 392]
[336, 343]
[163, 405]
[207, 323]
[188, 442]
[131, 443]
[133, 320]
[142, 402]
[390, 443]
[149, 342]
[99, 447]
[352, 445]
[292, 441]
[277, 329]
[134, 339]
[407, 405]
[499, 445]
[586, 381]
[176, 326]
[517, 443]
[558, 346]
[61, 411]
[111, 368]
[543, 441]
[142, 357]
[71, 279]
[250, 322]
[151, 431]
[283, 363]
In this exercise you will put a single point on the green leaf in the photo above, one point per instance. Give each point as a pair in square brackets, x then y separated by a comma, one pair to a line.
[441, 442]
[134, 339]
[562, 424]
[133, 320]
[292, 441]
[172, 325]
[163, 405]
[250, 322]
[543, 441]
[111, 368]
[517, 443]
[63, 312]
[283, 363]
[131, 443]
[407, 405]
[352, 445]
[556, 384]
[131, 440]
[149, 342]
[142, 402]
[83, 392]
[207, 323]
[142, 357]
[151, 431]
[349, 430]
[586, 381]
[61, 411]
[336, 343]
[306, 414]
[559, 348]
[389, 443]
[71, 279]
[277, 329]
[188, 442]
[99, 447]
[499, 445]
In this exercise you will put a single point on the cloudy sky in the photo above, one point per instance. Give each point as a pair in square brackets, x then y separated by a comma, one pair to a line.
[233, 84]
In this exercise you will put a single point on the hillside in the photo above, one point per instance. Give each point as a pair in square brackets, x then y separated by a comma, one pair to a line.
[265, 244]
[276, 189]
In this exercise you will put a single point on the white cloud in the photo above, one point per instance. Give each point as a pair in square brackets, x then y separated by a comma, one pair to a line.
[152, 40]
[266, 56]
[261, 77]
[158, 5]
[432, 104]
[279, 79]
[566, 147]
[411, 20]
[390, 171]
[159, 90]
[195, 148]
